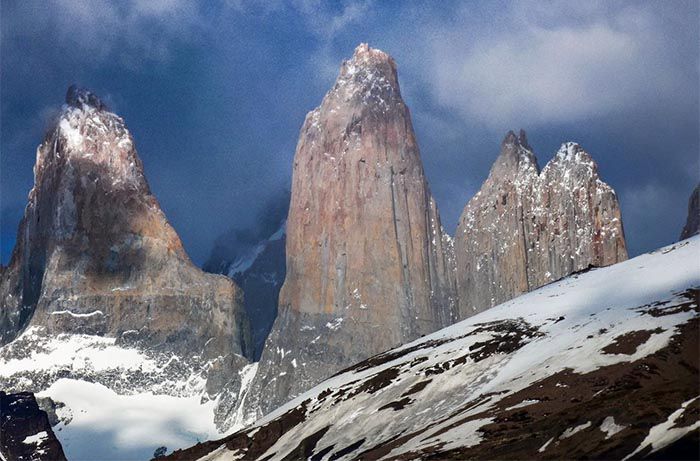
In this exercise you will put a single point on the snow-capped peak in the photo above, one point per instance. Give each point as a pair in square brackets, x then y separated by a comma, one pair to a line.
[571, 154]
[369, 77]
[90, 131]
[569, 151]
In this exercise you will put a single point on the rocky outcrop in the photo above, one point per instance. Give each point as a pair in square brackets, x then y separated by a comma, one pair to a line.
[25, 432]
[526, 228]
[254, 259]
[692, 224]
[366, 263]
[96, 255]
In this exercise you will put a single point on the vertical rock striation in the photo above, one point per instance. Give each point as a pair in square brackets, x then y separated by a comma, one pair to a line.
[526, 228]
[96, 255]
[692, 224]
[366, 260]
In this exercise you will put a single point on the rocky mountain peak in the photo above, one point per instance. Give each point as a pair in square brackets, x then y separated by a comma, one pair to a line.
[524, 229]
[571, 153]
[516, 157]
[87, 136]
[366, 57]
[368, 79]
[692, 224]
[367, 263]
[83, 98]
[95, 253]
[520, 140]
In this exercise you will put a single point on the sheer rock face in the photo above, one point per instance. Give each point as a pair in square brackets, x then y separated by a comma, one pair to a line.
[259, 269]
[692, 225]
[366, 261]
[96, 255]
[526, 228]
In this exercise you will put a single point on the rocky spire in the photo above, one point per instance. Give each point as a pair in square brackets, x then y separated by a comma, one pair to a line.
[95, 253]
[692, 224]
[366, 263]
[516, 157]
[524, 229]
[83, 98]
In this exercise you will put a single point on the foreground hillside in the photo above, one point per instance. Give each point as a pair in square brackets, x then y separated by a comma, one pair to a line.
[602, 364]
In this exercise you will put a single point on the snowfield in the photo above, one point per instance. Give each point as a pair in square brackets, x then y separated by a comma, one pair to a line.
[101, 424]
[113, 402]
[601, 364]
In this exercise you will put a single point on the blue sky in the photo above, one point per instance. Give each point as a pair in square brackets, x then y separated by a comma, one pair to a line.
[215, 93]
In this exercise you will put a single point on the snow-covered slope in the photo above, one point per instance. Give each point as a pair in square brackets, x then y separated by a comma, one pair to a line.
[97, 423]
[113, 400]
[602, 364]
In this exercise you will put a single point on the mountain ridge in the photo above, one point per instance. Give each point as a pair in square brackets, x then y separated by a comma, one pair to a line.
[526, 227]
[601, 364]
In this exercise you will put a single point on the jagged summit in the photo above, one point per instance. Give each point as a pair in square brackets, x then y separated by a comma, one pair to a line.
[516, 156]
[82, 97]
[517, 140]
[525, 228]
[95, 253]
[572, 152]
[87, 138]
[367, 79]
[366, 56]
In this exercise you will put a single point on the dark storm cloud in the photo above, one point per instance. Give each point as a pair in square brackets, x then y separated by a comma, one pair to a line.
[215, 93]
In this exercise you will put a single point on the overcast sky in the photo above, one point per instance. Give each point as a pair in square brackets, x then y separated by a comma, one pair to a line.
[215, 93]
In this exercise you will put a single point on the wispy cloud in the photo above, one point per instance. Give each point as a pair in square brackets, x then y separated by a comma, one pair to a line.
[128, 30]
[553, 62]
[327, 22]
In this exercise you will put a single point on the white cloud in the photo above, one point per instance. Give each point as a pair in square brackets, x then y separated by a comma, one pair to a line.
[135, 33]
[130, 30]
[327, 23]
[323, 19]
[543, 63]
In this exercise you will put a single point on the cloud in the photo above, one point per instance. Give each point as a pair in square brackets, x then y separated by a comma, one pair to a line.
[321, 18]
[128, 30]
[327, 22]
[229, 81]
[646, 205]
[542, 63]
